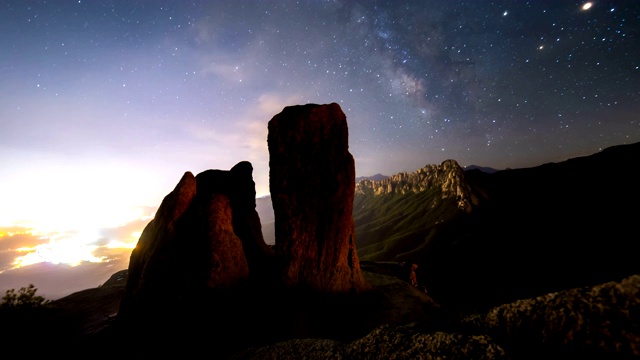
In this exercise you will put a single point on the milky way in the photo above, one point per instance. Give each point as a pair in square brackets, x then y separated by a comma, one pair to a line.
[107, 103]
[501, 84]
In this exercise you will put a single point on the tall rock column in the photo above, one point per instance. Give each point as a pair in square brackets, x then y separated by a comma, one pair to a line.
[312, 185]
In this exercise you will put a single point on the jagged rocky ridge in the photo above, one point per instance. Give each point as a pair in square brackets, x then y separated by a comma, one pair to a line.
[531, 231]
[397, 216]
[448, 177]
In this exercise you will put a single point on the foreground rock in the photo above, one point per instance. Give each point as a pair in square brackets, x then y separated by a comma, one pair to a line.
[197, 243]
[600, 322]
[201, 268]
[312, 184]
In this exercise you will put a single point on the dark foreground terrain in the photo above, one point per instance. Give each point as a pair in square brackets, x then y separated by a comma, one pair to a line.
[536, 263]
[393, 321]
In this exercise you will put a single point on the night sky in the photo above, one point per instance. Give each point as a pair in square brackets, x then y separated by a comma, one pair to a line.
[105, 104]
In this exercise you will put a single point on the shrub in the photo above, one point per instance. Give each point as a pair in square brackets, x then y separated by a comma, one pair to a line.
[25, 298]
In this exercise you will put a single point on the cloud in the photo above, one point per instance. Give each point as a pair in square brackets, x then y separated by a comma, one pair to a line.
[60, 263]
[255, 128]
[14, 237]
[57, 280]
[258, 117]
[228, 68]
[61, 193]
[234, 137]
[15, 242]
[127, 235]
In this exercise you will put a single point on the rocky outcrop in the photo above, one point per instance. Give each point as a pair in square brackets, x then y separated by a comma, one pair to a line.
[384, 342]
[312, 179]
[224, 261]
[205, 236]
[594, 322]
[201, 267]
[159, 239]
[240, 190]
[448, 177]
[599, 322]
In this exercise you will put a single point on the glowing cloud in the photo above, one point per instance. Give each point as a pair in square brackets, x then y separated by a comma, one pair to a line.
[59, 251]
[22, 247]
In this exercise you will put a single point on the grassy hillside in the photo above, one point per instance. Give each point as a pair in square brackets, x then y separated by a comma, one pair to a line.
[399, 227]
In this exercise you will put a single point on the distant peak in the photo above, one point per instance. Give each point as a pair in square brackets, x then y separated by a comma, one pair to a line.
[448, 177]
[376, 177]
[485, 169]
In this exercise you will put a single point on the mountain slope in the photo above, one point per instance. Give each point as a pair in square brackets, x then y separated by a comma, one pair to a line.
[399, 217]
[531, 231]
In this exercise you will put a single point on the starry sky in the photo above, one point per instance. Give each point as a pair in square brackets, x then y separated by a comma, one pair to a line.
[105, 104]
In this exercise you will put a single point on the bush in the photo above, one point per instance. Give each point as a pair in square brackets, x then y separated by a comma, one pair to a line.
[25, 298]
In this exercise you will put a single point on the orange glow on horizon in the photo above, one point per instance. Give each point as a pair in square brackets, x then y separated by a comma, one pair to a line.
[21, 231]
[63, 250]
[72, 247]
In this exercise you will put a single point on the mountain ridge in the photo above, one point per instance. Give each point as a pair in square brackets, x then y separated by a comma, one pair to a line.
[550, 212]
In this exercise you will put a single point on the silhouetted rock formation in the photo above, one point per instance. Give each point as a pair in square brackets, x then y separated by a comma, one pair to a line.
[202, 263]
[312, 182]
[241, 191]
[205, 236]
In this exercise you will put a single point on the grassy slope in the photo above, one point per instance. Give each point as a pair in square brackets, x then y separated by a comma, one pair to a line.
[394, 227]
